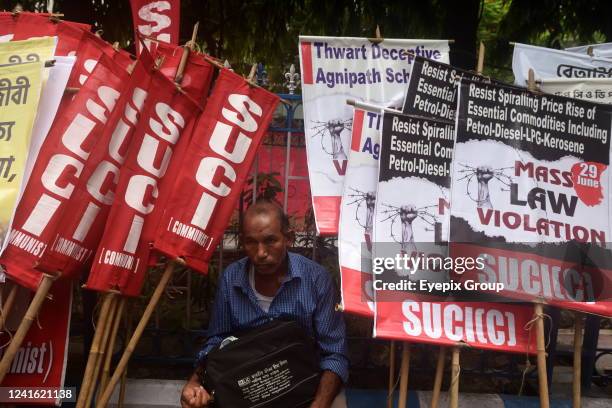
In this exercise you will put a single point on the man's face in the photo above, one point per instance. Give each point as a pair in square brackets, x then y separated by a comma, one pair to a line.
[264, 242]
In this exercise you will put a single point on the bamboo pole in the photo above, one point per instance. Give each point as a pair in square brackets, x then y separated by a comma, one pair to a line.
[100, 352]
[87, 382]
[108, 357]
[180, 71]
[454, 387]
[404, 370]
[435, 396]
[129, 331]
[157, 294]
[481, 55]
[541, 349]
[7, 306]
[391, 374]
[578, 323]
[26, 323]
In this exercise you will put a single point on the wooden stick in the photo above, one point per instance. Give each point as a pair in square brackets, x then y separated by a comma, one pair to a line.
[87, 382]
[129, 326]
[157, 294]
[26, 323]
[8, 305]
[404, 370]
[180, 71]
[541, 349]
[111, 345]
[391, 374]
[252, 73]
[578, 323]
[435, 396]
[481, 55]
[454, 387]
[99, 356]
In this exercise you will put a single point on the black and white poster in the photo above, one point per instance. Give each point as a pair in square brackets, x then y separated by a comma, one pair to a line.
[530, 193]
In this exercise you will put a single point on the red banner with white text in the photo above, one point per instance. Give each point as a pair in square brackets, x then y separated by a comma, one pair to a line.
[484, 325]
[157, 19]
[41, 359]
[82, 224]
[150, 169]
[219, 157]
[57, 170]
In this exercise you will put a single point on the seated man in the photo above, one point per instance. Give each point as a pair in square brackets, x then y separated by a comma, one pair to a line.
[272, 283]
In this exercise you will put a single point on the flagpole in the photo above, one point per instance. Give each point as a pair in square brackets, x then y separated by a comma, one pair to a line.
[404, 370]
[454, 387]
[88, 380]
[7, 306]
[435, 396]
[576, 402]
[26, 323]
[144, 320]
[99, 352]
[180, 71]
[111, 345]
[391, 374]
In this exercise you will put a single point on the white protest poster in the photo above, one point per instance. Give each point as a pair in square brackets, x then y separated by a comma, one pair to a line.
[530, 173]
[334, 69]
[588, 89]
[355, 233]
[411, 215]
[551, 63]
[597, 50]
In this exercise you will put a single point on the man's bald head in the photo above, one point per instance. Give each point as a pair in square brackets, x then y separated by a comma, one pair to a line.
[270, 208]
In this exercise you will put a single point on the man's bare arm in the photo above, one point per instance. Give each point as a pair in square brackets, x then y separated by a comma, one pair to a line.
[329, 387]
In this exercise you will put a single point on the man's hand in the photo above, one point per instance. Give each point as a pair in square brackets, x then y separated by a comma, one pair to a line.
[329, 387]
[194, 395]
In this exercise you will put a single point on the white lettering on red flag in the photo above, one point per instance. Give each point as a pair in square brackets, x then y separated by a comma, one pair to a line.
[158, 19]
[223, 147]
[57, 170]
[149, 171]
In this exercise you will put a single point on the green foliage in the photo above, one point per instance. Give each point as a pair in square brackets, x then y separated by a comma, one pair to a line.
[267, 31]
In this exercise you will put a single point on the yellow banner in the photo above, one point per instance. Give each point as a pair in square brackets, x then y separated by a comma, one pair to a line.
[20, 86]
[32, 50]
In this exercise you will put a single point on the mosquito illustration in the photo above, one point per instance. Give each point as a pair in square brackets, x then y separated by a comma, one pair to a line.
[367, 199]
[333, 128]
[484, 175]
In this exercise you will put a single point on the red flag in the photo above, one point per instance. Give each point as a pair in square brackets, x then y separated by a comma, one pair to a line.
[216, 165]
[198, 73]
[82, 223]
[7, 26]
[57, 170]
[156, 19]
[41, 360]
[154, 156]
[91, 48]
[483, 325]
[30, 25]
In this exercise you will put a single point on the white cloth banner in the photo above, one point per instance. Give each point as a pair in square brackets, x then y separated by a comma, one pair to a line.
[550, 63]
[598, 50]
[50, 98]
[357, 214]
[590, 89]
[334, 69]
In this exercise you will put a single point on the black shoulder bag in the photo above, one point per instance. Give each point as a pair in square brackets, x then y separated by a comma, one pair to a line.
[272, 366]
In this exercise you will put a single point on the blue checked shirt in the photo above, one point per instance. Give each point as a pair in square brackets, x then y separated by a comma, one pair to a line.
[306, 295]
